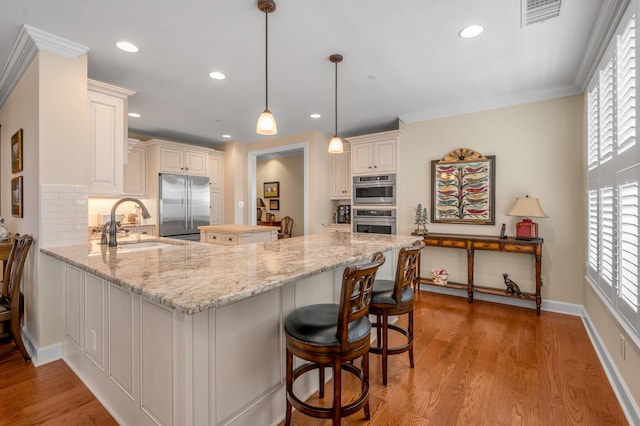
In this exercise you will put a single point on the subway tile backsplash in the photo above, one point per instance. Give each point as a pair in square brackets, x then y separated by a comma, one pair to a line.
[65, 215]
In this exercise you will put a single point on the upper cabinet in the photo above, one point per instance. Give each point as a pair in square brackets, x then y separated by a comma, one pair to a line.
[341, 174]
[216, 168]
[107, 137]
[135, 170]
[183, 161]
[375, 153]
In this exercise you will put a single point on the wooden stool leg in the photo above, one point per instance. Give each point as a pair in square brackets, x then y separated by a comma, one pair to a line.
[337, 391]
[321, 381]
[365, 383]
[17, 337]
[411, 338]
[289, 386]
[385, 346]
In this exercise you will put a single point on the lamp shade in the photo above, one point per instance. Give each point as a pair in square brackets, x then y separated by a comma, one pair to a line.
[527, 207]
[266, 124]
[335, 145]
[261, 203]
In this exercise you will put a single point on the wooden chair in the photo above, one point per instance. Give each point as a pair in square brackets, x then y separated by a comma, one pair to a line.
[395, 298]
[11, 300]
[332, 335]
[286, 227]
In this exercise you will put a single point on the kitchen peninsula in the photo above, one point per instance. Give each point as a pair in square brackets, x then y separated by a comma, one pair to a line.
[186, 333]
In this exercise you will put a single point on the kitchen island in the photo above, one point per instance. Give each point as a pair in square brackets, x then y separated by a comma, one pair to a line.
[186, 333]
[235, 234]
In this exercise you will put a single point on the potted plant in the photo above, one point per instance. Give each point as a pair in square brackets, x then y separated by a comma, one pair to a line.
[421, 220]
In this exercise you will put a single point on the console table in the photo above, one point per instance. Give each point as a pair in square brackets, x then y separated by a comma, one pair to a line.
[471, 243]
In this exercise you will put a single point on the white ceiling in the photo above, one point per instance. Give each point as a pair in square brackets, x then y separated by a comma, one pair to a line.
[402, 59]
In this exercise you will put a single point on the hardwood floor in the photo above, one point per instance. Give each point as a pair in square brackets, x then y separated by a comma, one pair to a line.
[489, 364]
[47, 395]
[478, 364]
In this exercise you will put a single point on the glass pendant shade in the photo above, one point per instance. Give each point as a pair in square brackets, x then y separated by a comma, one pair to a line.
[266, 124]
[335, 145]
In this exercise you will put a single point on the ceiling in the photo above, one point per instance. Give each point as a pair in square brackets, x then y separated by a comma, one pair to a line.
[402, 60]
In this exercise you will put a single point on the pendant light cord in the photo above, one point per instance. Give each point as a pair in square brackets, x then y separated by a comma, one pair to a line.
[336, 98]
[266, 59]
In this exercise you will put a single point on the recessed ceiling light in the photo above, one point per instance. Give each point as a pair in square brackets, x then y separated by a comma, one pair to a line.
[127, 47]
[315, 115]
[216, 75]
[471, 31]
[226, 136]
[134, 115]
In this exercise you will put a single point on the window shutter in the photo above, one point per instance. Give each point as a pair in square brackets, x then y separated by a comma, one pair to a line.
[626, 88]
[629, 293]
[592, 243]
[592, 128]
[606, 112]
[607, 242]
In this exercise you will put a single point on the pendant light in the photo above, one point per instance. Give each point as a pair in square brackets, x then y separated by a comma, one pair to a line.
[266, 122]
[335, 144]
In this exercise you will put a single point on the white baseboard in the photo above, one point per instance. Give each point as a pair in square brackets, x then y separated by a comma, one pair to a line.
[627, 403]
[41, 355]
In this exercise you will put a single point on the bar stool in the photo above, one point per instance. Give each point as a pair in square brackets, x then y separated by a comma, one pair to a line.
[333, 335]
[395, 298]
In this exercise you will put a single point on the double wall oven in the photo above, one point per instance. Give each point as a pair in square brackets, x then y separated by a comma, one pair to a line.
[374, 204]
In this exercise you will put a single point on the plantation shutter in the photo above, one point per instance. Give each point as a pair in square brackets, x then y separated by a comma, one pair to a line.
[629, 292]
[606, 112]
[607, 242]
[592, 128]
[626, 88]
[592, 236]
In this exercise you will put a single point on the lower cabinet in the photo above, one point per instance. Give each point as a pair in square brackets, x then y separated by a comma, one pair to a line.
[230, 238]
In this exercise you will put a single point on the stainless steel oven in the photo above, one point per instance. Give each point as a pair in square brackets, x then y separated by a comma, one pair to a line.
[379, 221]
[378, 190]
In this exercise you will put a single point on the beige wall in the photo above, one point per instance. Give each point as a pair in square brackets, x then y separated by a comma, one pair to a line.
[49, 104]
[538, 150]
[288, 171]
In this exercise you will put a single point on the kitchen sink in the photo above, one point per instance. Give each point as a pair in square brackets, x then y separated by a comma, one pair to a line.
[144, 245]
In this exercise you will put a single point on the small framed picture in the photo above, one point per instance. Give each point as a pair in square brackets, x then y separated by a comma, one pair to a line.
[274, 204]
[16, 152]
[16, 196]
[271, 189]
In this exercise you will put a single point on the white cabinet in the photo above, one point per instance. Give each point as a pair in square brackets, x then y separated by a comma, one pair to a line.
[183, 161]
[374, 154]
[336, 227]
[135, 172]
[233, 235]
[216, 168]
[215, 208]
[107, 137]
[341, 175]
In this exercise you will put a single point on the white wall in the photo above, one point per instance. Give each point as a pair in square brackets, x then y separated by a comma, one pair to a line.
[288, 171]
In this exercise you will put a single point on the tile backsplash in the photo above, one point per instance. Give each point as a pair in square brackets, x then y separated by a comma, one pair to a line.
[64, 215]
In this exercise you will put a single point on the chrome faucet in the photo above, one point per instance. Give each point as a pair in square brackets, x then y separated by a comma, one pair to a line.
[113, 225]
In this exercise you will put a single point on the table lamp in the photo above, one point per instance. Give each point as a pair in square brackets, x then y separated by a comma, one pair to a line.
[526, 208]
[260, 204]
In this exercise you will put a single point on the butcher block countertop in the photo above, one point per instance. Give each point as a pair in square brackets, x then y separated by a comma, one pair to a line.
[193, 277]
[238, 229]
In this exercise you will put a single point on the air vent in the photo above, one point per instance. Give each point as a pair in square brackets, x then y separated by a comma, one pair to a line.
[534, 11]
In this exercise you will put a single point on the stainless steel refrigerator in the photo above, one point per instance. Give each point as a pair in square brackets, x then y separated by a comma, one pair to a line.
[183, 206]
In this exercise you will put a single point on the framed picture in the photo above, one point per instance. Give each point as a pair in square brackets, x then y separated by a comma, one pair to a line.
[16, 196]
[16, 152]
[271, 189]
[463, 188]
[274, 204]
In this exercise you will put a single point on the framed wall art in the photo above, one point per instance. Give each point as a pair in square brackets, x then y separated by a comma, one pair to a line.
[271, 189]
[463, 188]
[16, 196]
[274, 204]
[16, 152]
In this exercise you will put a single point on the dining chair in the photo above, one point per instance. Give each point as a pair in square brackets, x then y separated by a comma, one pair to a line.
[286, 227]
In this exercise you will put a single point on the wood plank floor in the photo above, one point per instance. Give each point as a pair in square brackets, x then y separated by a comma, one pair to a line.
[478, 364]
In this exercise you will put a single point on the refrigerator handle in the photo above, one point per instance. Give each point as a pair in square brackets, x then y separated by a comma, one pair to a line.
[190, 212]
[186, 203]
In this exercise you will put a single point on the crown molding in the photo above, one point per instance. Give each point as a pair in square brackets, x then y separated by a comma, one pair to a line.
[29, 41]
[493, 103]
[609, 17]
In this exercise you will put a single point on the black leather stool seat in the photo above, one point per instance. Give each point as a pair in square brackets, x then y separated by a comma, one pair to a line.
[383, 292]
[318, 325]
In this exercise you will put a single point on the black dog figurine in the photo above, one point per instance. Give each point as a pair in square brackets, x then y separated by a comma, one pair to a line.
[512, 287]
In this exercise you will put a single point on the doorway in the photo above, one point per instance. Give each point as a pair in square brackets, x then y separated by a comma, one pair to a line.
[275, 152]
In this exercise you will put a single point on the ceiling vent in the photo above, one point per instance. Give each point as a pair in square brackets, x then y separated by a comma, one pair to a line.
[534, 11]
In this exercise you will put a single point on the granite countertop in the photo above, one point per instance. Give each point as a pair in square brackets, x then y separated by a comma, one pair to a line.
[193, 277]
[239, 229]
